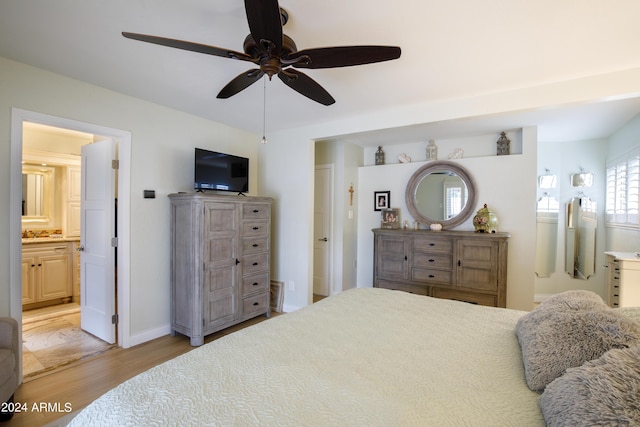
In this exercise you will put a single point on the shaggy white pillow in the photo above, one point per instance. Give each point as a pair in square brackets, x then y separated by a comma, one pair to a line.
[566, 331]
[602, 392]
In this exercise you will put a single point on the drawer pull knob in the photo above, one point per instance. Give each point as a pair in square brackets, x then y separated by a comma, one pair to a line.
[255, 283]
[255, 303]
[432, 244]
[255, 263]
[432, 260]
[255, 245]
[431, 276]
[256, 211]
[256, 228]
[237, 261]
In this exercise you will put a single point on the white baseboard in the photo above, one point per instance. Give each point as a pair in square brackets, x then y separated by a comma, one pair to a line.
[541, 297]
[286, 308]
[149, 335]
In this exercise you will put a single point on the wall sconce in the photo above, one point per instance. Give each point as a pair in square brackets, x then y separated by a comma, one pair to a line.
[582, 179]
[547, 181]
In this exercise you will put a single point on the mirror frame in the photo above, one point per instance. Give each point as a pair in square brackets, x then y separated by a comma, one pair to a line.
[441, 166]
[48, 174]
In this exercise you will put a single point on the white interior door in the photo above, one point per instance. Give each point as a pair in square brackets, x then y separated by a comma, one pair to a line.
[97, 266]
[322, 230]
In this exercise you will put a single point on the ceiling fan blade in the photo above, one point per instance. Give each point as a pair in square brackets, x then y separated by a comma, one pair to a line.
[240, 83]
[265, 23]
[306, 86]
[343, 56]
[194, 47]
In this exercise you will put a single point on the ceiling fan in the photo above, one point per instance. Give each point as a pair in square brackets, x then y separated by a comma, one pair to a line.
[274, 52]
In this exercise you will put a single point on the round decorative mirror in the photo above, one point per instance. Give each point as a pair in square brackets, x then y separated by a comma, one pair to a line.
[441, 192]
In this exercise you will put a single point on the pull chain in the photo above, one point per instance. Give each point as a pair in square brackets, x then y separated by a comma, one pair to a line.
[264, 111]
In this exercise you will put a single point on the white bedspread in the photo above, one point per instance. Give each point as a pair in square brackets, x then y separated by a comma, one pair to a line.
[365, 357]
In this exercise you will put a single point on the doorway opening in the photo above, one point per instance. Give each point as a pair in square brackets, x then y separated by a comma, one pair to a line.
[322, 231]
[53, 332]
[121, 259]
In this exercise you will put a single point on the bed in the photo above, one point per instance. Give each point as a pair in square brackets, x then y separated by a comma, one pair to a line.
[370, 357]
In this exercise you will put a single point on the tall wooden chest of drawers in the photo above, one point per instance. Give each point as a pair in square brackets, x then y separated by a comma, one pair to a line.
[219, 262]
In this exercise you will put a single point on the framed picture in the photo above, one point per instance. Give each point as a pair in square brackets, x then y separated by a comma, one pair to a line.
[277, 296]
[390, 218]
[381, 200]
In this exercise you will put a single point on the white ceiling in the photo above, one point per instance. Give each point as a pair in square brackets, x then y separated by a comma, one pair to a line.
[450, 50]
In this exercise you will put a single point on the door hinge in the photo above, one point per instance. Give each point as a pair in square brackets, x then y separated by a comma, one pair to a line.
[114, 242]
[115, 164]
[115, 319]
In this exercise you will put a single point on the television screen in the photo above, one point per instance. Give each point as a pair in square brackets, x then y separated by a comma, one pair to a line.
[220, 171]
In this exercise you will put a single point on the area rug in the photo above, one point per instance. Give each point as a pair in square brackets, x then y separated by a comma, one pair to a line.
[55, 340]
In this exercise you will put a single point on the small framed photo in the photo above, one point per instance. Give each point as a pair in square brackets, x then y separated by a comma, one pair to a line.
[277, 296]
[381, 200]
[390, 218]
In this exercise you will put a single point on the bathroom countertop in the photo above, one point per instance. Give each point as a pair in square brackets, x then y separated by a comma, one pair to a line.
[35, 240]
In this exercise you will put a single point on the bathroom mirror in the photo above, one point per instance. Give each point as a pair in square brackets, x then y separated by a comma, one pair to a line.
[547, 210]
[441, 192]
[580, 255]
[37, 187]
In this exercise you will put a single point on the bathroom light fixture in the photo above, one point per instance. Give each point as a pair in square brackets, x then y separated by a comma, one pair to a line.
[547, 180]
[582, 179]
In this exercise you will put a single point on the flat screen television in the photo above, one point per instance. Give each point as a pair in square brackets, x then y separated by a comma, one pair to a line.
[220, 171]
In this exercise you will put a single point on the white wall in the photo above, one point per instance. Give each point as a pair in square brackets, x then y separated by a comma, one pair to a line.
[564, 159]
[161, 159]
[291, 183]
[625, 139]
[502, 183]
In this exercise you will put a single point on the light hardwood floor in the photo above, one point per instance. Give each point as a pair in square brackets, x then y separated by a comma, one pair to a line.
[82, 382]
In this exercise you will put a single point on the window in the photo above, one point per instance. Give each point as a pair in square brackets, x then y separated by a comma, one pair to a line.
[623, 190]
[455, 197]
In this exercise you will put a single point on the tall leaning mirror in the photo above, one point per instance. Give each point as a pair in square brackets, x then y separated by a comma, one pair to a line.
[441, 192]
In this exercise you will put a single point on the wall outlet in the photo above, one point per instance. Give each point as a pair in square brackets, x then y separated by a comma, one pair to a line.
[291, 285]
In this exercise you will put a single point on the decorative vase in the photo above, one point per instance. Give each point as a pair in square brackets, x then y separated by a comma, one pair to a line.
[379, 156]
[432, 150]
[436, 226]
[485, 221]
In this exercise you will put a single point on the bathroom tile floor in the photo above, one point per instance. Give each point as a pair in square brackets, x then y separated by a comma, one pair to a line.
[52, 338]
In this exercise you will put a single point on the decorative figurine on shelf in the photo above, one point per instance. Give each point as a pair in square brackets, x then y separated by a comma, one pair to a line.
[485, 221]
[432, 150]
[503, 145]
[379, 156]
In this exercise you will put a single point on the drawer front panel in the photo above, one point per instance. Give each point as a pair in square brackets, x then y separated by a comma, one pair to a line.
[432, 244]
[470, 297]
[442, 277]
[406, 287]
[255, 228]
[437, 261]
[255, 211]
[255, 304]
[255, 264]
[253, 284]
[255, 245]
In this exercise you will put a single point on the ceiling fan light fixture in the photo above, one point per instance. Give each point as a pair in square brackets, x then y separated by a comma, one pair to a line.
[271, 50]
